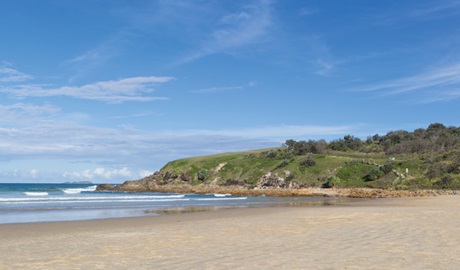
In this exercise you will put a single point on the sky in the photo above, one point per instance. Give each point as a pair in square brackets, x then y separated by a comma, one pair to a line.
[112, 90]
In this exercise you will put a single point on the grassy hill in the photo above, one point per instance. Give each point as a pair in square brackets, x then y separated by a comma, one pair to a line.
[331, 168]
[423, 159]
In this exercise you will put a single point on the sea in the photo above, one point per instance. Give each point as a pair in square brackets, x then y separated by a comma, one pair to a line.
[27, 203]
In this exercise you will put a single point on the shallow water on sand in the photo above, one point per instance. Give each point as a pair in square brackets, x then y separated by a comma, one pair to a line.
[20, 203]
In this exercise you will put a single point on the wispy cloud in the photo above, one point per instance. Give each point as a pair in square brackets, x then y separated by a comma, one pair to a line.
[437, 9]
[323, 67]
[99, 173]
[141, 114]
[115, 91]
[98, 56]
[213, 90]
[307, 11]
[111, 149]
[419, 11]
[440, 84]
[10, 75]
[22, 113]
[276, 132]
[29, 109]
[247, 26]
[444, 96]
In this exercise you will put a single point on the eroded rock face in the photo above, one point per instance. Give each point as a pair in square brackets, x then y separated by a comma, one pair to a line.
[269, 180]
[137, 185]
[294, 185]
[235, 182]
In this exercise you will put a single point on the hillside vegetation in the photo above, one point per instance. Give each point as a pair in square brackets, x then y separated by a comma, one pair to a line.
[422, 159]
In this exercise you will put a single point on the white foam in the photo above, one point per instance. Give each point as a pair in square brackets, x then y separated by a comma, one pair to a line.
[220, 199]
[95, 198]
[36, 193]
[222, 195]
[79, 190]
[90, 201]
[84, 199]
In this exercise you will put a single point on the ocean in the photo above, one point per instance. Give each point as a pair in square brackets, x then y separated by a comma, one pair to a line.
[25, 203]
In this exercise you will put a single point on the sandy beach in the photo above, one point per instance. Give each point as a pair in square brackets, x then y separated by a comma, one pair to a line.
[403, 233]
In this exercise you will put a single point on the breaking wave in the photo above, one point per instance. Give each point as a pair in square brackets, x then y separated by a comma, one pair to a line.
[36, 193]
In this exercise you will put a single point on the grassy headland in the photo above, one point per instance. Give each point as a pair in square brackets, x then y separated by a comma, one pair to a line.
[400, 160]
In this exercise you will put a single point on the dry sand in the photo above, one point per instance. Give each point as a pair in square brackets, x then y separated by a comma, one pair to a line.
[406, 233]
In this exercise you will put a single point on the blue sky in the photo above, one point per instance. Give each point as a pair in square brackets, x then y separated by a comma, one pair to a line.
[111, 90]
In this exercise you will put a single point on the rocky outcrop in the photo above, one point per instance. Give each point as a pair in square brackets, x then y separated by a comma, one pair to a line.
[383, 193]
[268, 185]
[235, 182]
[270, 181]
[185, 176]
[105, 187]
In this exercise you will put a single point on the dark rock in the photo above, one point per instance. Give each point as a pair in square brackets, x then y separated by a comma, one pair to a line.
[272, 181]
[105, 187]
[138, 185]
[185, 176]
[234, 182]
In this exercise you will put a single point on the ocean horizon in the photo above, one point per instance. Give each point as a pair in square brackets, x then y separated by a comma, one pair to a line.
[51, 202]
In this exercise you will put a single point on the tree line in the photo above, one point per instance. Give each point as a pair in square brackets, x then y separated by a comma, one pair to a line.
[437, 146]
[437, 138]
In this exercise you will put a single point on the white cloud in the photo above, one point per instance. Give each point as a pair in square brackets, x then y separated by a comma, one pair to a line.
[141, 114]
[100, 173]
[437, 9]
[21, 113]
[213, 90]
[247, 26]
[119, 148]
[243, 27]
[9, 75]
[275, 132]
[33, 173]
[144, 173]
[108, 174]
[114, 91]
[27, 174]
[29, 109]
[116, 155]
[444, 96]
[324, 67]
[305, 11]
[439, 84]
[98, 56]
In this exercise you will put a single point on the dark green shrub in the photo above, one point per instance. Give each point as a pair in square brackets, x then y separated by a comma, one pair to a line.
[386, 168]
[270, 154]
[308, 162]
[374, 174]
[282, 164]
[202, 174]
[331, 182]
[290, 177]
[445, 181]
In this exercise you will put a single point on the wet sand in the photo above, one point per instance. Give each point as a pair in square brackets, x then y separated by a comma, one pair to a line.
[403, 233]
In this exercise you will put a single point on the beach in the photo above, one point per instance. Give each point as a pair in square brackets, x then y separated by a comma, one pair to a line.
[396, 233]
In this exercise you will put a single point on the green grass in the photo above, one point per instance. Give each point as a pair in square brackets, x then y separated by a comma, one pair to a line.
[347, 168]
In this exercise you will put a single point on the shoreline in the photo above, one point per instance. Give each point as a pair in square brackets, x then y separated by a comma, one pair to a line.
[389, 233]
[149, 186]
[280, 202]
